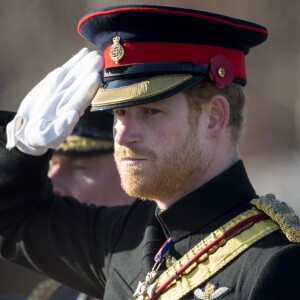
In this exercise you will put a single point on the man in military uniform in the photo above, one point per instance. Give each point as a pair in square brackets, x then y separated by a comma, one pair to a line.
[173, 78]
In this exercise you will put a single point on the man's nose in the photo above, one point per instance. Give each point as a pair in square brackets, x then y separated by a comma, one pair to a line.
[127, 131]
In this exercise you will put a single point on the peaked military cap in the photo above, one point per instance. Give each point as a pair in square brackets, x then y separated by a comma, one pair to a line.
[153, 52]
[92, 135]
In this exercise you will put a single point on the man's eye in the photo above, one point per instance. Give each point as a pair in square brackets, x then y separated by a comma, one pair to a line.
[151, 111]
[119, 112]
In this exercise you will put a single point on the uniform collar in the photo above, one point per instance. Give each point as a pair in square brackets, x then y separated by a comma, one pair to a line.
[224, 194]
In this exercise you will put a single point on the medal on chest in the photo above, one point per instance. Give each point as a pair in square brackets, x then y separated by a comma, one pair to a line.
[146, 288]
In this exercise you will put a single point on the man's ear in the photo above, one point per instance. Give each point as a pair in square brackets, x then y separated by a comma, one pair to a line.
[218, 113]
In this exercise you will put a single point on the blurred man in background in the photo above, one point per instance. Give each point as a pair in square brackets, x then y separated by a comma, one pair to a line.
[83, 167]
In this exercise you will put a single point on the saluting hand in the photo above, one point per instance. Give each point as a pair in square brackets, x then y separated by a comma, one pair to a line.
[49, 112]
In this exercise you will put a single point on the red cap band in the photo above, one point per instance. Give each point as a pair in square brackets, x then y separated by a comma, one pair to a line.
[145, 52]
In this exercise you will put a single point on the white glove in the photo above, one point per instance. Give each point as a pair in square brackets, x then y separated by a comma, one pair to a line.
[49, 112]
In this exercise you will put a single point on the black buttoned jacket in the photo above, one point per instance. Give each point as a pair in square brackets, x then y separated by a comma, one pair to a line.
[105, 252]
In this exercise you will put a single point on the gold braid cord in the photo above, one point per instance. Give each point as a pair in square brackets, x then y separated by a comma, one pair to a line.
[282, 214]
[217, 257]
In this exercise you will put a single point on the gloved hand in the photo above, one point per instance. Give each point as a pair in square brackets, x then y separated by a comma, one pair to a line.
[49, 112]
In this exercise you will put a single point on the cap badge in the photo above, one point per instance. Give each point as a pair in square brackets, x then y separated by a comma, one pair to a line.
[116, 51]
[221, 71]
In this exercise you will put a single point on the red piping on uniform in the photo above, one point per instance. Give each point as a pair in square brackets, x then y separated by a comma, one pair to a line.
[164, 10]
[144, 52]
[225, 235]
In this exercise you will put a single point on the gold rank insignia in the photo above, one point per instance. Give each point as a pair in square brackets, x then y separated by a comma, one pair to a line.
[116, 51]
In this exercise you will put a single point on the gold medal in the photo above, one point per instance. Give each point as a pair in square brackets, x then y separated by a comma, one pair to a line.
[116, 51]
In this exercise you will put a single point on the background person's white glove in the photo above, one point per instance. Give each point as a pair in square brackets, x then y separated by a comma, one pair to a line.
[49, 112]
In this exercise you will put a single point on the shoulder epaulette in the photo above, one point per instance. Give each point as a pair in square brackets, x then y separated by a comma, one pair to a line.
[282, 214]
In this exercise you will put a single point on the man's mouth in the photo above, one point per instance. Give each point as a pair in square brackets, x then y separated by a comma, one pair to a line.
[132, 159]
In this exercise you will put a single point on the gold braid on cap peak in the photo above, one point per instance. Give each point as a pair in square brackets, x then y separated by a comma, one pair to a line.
[78, 143]
[141, 90]
[282, 214]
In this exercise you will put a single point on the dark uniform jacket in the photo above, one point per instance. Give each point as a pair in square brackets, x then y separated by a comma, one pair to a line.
[91, 248]
[50, 289]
